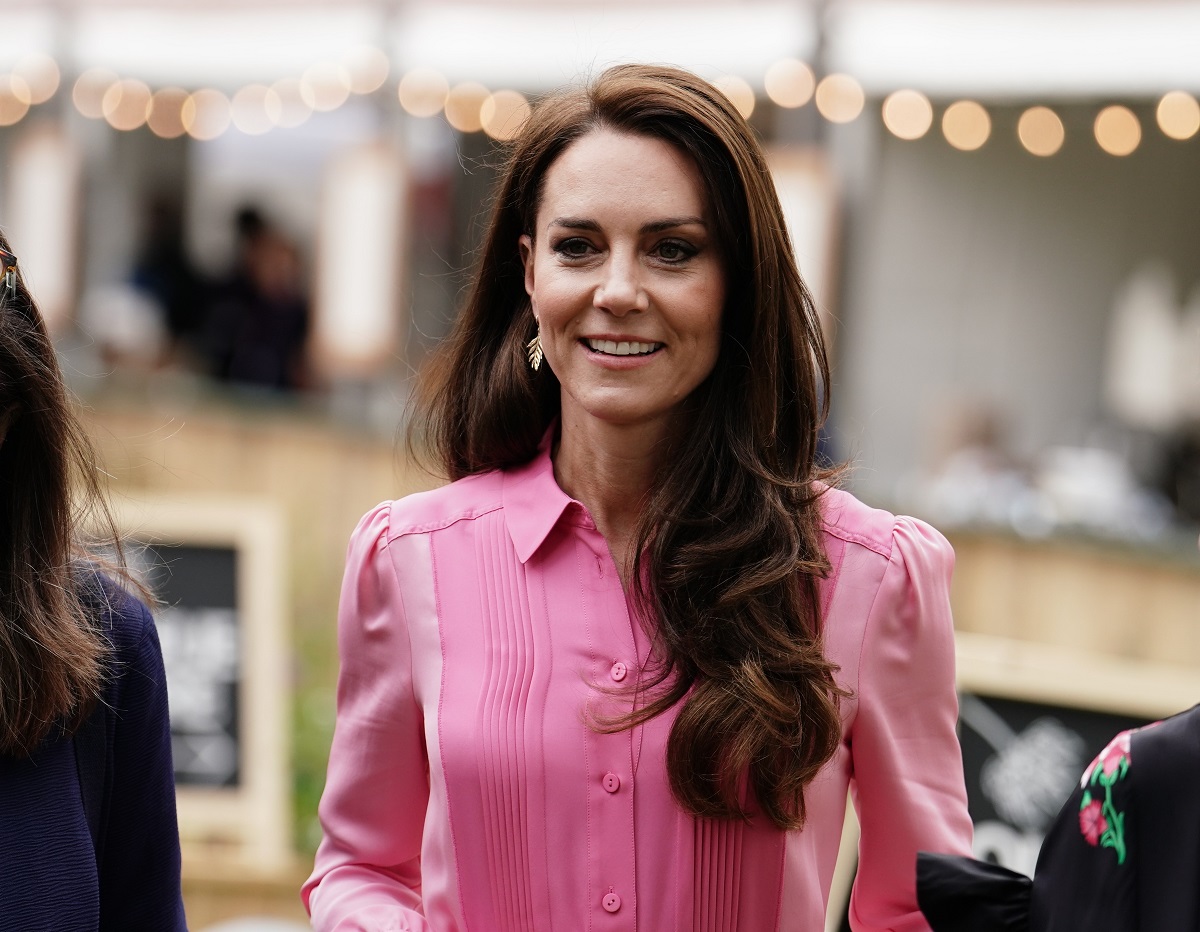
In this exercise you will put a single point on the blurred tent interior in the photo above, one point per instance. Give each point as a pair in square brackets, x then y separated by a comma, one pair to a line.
[249, 222]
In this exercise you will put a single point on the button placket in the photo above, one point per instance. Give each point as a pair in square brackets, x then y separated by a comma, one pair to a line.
[611, 847]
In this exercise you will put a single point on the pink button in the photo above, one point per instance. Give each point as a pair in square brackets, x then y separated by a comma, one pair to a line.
[618, 671]
[611, 902]
[611, 782]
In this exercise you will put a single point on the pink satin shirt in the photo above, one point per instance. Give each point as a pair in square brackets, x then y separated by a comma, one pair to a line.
[466, 790]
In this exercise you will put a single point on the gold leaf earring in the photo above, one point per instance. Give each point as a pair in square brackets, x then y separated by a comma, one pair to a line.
[533, 349]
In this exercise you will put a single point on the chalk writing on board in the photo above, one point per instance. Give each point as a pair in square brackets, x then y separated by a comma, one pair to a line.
[200, 650]
[199, 627]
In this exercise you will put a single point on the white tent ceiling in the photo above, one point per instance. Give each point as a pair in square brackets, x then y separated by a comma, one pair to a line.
[997, 48]
[1018, 48]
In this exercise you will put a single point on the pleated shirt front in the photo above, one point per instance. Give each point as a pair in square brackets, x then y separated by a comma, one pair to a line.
[483, 628]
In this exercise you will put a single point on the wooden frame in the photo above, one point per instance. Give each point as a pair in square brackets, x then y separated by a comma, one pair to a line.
[248, 824]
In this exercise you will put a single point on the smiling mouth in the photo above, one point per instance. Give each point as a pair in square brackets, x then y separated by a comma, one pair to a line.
[624, 348]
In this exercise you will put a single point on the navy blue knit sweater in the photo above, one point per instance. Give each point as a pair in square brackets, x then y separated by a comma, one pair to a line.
[49, 876]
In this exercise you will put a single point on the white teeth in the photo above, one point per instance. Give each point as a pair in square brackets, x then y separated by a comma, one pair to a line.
[624, 348]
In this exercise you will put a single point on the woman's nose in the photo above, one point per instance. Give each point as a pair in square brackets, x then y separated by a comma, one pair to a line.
[621, 290]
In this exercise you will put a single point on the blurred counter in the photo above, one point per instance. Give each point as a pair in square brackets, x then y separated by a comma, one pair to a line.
[1094, 595]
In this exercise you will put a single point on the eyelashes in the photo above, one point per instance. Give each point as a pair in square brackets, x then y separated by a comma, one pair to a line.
[573, 247]
[670, 251]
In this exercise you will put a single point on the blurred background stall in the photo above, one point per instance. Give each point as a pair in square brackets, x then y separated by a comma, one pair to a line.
[249, 223]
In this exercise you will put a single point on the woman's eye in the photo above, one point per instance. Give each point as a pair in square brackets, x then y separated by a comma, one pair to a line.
[573, 248]
[674, 251]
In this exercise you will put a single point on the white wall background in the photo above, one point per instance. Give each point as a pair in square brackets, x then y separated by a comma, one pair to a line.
[989, 277]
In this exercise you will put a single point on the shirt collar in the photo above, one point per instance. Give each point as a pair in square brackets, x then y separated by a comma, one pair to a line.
[533, 502]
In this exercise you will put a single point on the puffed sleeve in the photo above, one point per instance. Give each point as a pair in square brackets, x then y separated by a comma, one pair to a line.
[907, 765]
[367, 872]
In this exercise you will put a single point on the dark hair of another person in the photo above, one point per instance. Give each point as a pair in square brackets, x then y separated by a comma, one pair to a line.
[728, 550]
[51, 655]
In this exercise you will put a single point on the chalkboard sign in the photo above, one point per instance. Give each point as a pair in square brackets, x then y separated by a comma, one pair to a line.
[199, 627]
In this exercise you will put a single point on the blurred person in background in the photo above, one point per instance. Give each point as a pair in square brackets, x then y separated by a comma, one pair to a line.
[165, 272]
[88, 832]
[623, 670]
[257, 326]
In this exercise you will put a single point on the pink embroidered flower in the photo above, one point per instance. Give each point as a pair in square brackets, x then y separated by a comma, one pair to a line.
[1092, 822]
[1110, 758]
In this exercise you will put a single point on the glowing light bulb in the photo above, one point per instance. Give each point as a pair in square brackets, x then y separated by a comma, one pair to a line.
[12, 107]
[739, 92]
[1117, 130]
[1178, 115]
[423, 92]
[790, 83]
[503, 115]
[840, 98]
[206, 114]
[18, 87]
[1041, 131]
[255, 109]
[464, 105]
[908, 114]
[89, 90]
[966, 125]
[126, 104]
[165, 118]
[40, 72]
[368, 68]
[325, 85]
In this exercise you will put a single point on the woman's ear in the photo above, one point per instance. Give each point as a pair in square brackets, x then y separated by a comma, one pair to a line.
[526, 246]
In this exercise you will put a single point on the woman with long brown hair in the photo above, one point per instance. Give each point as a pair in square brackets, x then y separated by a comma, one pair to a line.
[88, 833]
[621, 672]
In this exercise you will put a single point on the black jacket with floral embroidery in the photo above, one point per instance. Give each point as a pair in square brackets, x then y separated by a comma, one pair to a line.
[1123, 855]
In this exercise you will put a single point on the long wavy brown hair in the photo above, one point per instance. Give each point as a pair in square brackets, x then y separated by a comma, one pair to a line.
[52, 655]
[728, 549]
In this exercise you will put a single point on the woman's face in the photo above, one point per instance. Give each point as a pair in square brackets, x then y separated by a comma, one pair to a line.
[625, 277]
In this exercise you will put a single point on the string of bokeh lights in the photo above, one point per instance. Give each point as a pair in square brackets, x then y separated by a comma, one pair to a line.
[128, 104]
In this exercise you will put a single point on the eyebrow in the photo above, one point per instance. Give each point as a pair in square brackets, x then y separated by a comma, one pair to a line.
[656, 226]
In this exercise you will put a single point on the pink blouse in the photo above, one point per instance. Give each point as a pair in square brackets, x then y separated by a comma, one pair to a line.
[467, 792]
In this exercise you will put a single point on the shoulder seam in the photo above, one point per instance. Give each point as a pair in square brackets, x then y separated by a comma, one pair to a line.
[439, 525]
[851, 537]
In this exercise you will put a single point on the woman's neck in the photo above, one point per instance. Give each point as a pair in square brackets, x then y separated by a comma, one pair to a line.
[609, 469]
